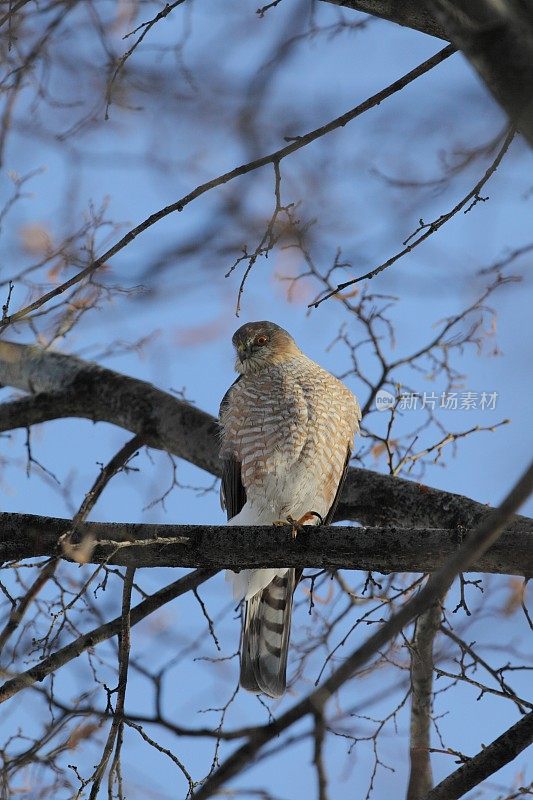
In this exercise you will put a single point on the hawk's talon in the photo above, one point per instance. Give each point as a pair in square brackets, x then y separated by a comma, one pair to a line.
[298, 524]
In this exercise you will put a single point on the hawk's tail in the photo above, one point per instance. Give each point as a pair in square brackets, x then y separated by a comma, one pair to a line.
[265, 636]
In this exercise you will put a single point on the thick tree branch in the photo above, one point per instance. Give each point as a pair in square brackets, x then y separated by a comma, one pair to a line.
[497, 39]
[409, 13]
[492, 758]
[385, 549]
[65, 386]
[76, 388]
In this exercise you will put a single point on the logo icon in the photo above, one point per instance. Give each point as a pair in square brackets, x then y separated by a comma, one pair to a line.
[384, 400]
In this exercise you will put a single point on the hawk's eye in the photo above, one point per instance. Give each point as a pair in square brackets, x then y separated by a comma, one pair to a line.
[261, 340]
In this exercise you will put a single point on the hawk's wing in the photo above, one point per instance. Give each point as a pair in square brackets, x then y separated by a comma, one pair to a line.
[333, 507]
[331, 513]
[232, 491]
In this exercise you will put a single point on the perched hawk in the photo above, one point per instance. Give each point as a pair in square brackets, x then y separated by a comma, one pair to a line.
[287, 430]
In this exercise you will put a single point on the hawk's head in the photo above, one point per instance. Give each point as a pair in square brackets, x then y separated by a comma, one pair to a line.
[259, 344]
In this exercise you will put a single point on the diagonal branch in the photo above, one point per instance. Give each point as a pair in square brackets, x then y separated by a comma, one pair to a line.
[409, 13]
[492, 758]
[68, 537]
[477, 543]
[426, 230]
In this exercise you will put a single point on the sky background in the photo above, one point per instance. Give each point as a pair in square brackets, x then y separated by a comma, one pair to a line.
[199, 116]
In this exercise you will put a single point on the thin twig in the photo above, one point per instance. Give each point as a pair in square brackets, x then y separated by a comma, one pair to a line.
[429, 228]
[115, 732]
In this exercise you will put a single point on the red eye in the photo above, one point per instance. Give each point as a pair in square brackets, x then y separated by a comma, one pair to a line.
[261, 340]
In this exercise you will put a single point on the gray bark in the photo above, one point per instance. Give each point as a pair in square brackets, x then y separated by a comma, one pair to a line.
[496, 36]
[387, 549]
[65, 386]
[492, 758]
[409, 13]
[420, 773]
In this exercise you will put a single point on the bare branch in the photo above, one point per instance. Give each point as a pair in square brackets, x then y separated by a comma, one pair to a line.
[19, 609]
[492, 758]
[425, 230]
[384, 549]
[244, 169]
[117, 725]
[70, 540]
[65, 386]
[73, 544]
[420, 775]
[467, 649]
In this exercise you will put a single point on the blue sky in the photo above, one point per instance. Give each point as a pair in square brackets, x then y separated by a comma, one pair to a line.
[192, 127]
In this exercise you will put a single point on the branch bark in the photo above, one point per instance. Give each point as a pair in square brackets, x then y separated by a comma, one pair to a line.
[420, 774]
[495, 37]
[497, 40]
[492, 758]
[65, 386]
[408, 13]
[387, 549]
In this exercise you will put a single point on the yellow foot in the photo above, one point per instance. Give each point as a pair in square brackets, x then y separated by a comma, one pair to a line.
[298, 524]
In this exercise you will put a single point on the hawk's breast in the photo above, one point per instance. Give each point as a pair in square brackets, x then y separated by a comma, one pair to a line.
[290, 427]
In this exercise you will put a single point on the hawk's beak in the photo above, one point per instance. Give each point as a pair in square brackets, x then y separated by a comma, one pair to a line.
[244, 351]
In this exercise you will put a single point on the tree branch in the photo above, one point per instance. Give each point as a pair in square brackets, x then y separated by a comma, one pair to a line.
[116, 730]
[492, 758]
[420, 774]
[425, 231]
[409, 13]
[497, 39]
[65, 386]
[295, 144]
[384, 549]
[69, 540]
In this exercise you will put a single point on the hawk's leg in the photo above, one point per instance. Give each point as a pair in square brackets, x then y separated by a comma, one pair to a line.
[298, 524]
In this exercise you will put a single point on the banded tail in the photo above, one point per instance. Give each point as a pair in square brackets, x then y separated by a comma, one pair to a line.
[265, 636]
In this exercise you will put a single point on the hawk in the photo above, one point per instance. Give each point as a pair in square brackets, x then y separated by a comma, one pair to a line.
[287, 430]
